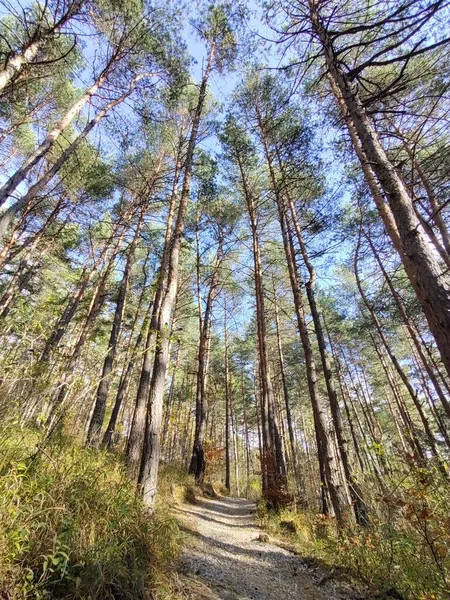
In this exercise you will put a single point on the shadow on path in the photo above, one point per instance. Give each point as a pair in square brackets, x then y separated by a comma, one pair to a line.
[224, 551]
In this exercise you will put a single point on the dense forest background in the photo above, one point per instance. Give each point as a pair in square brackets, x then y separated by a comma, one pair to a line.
[233, 265]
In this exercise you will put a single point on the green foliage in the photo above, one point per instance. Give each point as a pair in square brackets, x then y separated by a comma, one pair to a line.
[25, 139]
[219, 25]
[71, 525]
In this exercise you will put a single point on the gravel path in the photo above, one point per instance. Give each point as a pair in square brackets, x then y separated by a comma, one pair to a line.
[222, 550]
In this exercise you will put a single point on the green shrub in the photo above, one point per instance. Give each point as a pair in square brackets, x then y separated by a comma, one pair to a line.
[71, 526]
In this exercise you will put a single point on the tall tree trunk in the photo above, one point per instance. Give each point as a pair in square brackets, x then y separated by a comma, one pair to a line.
[16, 179]
[435, 207]
[344, 393]
[424, 272]
[127, 371]
[411, 391]
[148, 475]
[273, 461]
[428, 394]
[133, 451]
[323, 427]
[28, 53]
[170, 399]
[198, 464]
[98, 413]
[360, 509]
[330, 465]
[411, 330]
[72, 305]
[36, 188]
[62, 390]
[227, 404]
[235, 446]
[18, 282]
[297, 473]
[366, 432]
[247, 444]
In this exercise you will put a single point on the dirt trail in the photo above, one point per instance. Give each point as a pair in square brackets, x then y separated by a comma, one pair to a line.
[222, 550]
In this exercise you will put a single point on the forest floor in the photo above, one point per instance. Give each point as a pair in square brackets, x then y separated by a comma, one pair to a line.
[230, 558]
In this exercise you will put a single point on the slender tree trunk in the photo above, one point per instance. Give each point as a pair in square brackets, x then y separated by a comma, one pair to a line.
[411, 391]
[297, 473]
[273, 461]
[411, 331]
[328, 465]
[198, 463]
[258, 411]
[62, 390]
[170, 399]
[247, 444]
[28, 53]
[344, 393]
[428, 394]
[71, 307]
[133, 451]
[148, 475]
[435, 207]
[365, 431]
[16, 179]
[235, 446]
[227, 405]
[35, 189]
[323, 426]
[360, 509]
[18, 282]
[98, 413]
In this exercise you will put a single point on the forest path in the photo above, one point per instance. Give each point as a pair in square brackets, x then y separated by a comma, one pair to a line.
[222, 551]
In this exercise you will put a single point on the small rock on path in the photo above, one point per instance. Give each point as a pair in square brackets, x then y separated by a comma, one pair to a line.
[223, 551]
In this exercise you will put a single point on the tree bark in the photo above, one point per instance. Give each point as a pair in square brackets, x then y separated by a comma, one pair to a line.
[98, 413]
[426, 276]
[148, 475]
[37, 187]
[28, 53]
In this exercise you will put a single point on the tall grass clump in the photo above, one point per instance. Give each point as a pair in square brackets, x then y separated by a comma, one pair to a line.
[71, 525]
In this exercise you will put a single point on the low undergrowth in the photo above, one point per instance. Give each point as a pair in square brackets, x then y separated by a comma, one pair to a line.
[71, 526]
[405, 551]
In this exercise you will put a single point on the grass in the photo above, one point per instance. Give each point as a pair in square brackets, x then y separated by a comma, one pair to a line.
[404, 553]
[71, 526]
